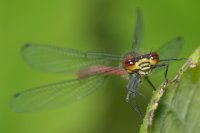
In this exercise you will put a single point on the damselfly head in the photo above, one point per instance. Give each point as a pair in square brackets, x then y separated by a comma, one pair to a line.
[153, 58]
[132, 63]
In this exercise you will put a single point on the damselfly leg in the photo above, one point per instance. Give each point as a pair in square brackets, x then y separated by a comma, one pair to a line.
[151, 84]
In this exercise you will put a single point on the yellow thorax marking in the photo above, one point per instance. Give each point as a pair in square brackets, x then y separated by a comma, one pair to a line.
[140, 61]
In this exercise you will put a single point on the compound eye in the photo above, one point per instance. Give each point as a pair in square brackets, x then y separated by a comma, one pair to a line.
[129, 62]
[154, 57]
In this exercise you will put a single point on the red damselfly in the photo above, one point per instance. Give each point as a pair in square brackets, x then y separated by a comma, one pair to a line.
[91, 69]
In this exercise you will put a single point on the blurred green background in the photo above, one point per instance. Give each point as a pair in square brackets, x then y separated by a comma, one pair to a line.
[86, 25]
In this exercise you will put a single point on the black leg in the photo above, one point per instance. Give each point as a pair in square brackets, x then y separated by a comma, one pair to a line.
[166, 65]
[150, 83]
[174, 59]
[166, 69]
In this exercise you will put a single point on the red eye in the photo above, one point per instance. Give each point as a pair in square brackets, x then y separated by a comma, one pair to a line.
[129, 62]
[154, 55]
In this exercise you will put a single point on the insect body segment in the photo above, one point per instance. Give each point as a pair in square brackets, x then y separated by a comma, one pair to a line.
[141, 64]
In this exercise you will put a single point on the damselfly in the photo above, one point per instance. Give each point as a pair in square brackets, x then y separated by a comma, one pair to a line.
[91, 69]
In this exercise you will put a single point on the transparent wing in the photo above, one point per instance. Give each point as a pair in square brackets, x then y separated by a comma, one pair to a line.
[170, 49]
[55, 95]
[55, 59]
[133, 91]
[137, 38]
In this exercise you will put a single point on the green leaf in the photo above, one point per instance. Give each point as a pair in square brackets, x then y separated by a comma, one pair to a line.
[175, 106]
